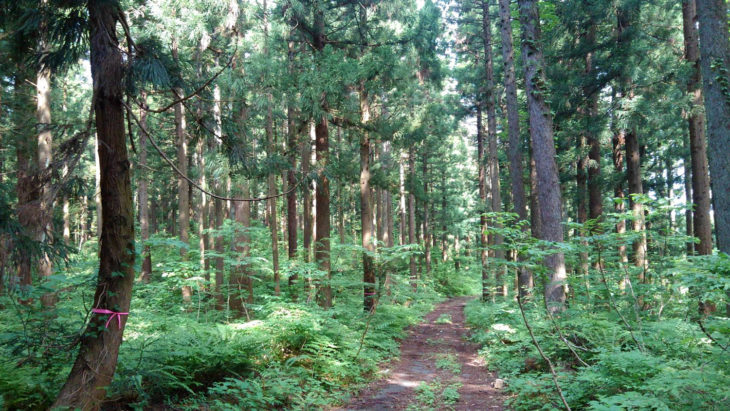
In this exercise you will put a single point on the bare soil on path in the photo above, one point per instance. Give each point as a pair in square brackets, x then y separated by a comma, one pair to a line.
[436, 358]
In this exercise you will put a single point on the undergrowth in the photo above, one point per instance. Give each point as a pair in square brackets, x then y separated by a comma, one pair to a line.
[287, 355]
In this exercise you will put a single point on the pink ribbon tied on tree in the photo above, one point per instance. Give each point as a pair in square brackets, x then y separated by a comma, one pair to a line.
[113, 314]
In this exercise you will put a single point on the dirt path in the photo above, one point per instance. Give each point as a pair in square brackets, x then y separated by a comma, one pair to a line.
[436, 361]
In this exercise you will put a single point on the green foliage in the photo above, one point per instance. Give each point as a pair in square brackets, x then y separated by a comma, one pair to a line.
[653, 356]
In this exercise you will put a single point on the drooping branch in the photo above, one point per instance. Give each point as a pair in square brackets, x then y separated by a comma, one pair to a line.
[191, 181]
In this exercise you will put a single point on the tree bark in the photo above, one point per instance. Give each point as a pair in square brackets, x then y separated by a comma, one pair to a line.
[322, 194]
[366, 207]
[412, 217]
[143, 194]
[44, 221]
[402, 201]
[308, 223]
[543, 146]
[524, 276]
[492, 159]
[715, 51]
[483, 239]
[183, 190]
[97, 358]
[702, 225]
[26, 209]
[426, 213]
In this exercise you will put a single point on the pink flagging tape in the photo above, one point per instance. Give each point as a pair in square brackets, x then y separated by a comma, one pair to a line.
[113, 314]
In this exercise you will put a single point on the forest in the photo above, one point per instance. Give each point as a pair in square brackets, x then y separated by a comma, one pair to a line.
[364, 205]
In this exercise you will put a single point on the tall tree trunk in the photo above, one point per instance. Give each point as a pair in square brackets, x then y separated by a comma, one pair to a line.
[715, 51]
[412, 216]
[535, 222]
[524, 279]
[618, 143]
[44, 221]
[402, 201]
[97, 191]
[143, 195]
[426, 213]
[242, 288]
[689, 230]
[307, 220]
[595, 199]
[635, 186]
[366, 206]
[492, 159]
[322, 197]
[273, 226]
[322, 194]
[483, 239]
[702, 226]
[626, 17]
[543, 146]
[94, 367]
[292, 134]
[183, 190]
[26, 209]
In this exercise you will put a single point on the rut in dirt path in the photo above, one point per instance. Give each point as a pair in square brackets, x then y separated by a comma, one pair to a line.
[436, 359]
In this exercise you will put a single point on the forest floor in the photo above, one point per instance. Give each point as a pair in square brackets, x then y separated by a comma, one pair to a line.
[438, 369]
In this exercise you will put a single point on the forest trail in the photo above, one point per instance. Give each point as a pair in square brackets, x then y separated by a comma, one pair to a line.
[436, 359]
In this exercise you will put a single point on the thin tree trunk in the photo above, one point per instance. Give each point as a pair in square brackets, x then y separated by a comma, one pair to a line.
[618, 143]
[412, 217]
[240, 276]
[483, 238]
[426, 213]
[543, 146]
[94, 367]
[689, 230]
[402, 201]
[291, 197]
[183, 190]
[144, 221]
[307, 219]
[595, 199]
[97, 192]
[702, 226]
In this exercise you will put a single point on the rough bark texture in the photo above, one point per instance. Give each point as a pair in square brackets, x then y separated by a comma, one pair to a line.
[44, 220]
[715, 63]
[618, 142]
[626, 17]
[492, 159]
[97, 358]
[366, 206]
[514, 150]
[702, 225]
[24, 189]
[541, 131]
